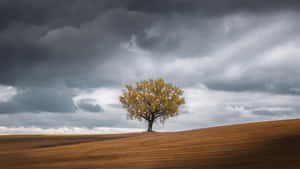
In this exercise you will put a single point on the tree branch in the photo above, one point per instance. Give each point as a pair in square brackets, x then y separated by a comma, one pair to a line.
[156, 116]
[145, 117]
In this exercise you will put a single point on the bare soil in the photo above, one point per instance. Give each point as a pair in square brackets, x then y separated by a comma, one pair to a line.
[264, 145]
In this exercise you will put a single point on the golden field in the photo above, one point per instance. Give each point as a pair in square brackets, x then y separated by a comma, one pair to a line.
[263, 145]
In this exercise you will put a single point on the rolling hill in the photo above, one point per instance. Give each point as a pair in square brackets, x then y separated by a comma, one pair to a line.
[263, 145]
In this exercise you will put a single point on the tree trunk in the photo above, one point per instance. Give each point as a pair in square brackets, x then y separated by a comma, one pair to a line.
[150, 123]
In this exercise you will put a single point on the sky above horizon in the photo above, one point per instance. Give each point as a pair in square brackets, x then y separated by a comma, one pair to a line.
[64, 63]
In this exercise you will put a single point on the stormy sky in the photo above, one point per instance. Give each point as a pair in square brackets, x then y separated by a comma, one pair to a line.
[63, 63]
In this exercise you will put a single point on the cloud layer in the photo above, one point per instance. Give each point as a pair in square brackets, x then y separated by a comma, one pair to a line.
[68, 59]
[65, 130]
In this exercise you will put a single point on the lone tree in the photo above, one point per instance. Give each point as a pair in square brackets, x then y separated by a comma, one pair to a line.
[152, 100]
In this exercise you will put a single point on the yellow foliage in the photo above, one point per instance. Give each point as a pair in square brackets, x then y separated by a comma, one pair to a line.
[151, 100]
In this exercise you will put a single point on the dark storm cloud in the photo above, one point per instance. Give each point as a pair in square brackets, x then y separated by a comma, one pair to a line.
[264, 82]
[34, 55]
[76, 12]
[53, 13]
[212, 7]
[57, 39]
[87, 105]
[80, 44]
[40, 100]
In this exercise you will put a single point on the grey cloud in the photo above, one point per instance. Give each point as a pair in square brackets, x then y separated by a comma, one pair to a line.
[34, 55]
[40, 100]
[117, 106]
[47, 41]
[279, 110]
[82, 44]
[212, 7]
[70, 12]
[88, 105]
[235, 60]
[53, 13]
[271, 113]
[158, 39]
[76, 119]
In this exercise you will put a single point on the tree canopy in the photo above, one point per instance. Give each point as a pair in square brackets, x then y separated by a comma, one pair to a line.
[152, 100]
